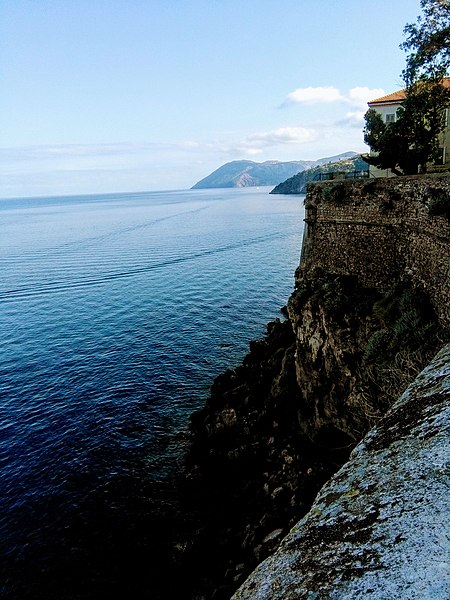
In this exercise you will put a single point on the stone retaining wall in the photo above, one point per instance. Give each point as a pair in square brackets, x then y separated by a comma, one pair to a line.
[382, 231]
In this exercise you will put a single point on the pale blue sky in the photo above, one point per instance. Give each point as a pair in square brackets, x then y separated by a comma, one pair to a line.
[132, 95]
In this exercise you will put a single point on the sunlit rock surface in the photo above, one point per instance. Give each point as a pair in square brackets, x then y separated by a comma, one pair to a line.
[380, 527]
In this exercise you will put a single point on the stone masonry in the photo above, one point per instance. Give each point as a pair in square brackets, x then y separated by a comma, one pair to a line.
[382, 231]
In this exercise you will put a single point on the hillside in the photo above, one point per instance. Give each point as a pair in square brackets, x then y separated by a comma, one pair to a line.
[247, 173]
[297, 184]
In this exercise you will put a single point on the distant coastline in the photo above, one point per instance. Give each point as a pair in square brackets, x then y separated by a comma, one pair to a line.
[246, 173]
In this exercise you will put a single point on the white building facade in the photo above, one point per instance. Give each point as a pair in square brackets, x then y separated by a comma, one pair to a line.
[388, 105]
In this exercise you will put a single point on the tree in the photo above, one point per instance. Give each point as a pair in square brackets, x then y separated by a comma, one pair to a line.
[428, 42]
[408, 144]
[421, 119]
[383, 139]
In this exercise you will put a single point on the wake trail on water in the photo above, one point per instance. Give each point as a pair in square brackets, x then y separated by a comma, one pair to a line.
[83, 281]
[76, 245]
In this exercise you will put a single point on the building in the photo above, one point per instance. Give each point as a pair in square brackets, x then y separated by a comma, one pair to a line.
[387, 106]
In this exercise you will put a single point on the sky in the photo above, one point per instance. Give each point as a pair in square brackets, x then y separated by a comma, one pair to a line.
[136, 95]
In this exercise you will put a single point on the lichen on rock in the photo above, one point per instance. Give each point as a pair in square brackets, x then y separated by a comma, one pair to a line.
[379, 528]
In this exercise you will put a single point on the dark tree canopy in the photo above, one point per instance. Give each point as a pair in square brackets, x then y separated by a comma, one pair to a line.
[428, 42]
[408, 144]
[383, 139]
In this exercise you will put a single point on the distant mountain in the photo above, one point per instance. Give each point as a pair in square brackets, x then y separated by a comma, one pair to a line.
[297, 184]
[334, 159]
[246, 173]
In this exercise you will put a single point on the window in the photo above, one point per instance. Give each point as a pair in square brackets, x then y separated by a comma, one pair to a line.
[441, 159]
[390, 118]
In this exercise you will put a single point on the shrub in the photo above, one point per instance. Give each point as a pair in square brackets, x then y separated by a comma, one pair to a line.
[334, 193]
[405, 320]
[407, 335]
[377, 345]
[439, 203]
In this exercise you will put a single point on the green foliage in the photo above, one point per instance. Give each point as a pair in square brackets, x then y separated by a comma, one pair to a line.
[334, 193]
[405, 336]
[376, 346]
[298, 183]
[412, 140]
[405, 321]
[439, 203]
[389, 144]
[341, 296]
[428, 42]
[407, 145]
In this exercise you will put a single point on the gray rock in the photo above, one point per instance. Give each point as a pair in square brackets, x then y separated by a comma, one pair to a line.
[379, 529]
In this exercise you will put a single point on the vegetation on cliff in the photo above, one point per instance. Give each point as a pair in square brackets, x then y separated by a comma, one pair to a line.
[379, 527]
[411, 141]
[298, 183]
[275, 428]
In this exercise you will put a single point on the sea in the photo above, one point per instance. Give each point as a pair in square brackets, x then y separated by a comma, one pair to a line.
[116, 313]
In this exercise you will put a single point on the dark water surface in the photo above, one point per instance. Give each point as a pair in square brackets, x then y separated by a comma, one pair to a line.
[116, 312]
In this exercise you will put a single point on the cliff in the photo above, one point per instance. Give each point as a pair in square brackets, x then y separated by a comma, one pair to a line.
[368, 312]
[297, 184]
[379, 528]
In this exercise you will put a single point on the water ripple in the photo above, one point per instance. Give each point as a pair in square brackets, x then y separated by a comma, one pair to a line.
[117, 312]
[53, 286]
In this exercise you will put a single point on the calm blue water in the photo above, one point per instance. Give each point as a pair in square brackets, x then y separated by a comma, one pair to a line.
[116, 313]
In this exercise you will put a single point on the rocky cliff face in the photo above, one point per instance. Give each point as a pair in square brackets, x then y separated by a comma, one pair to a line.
[277, 427]
[379, 528]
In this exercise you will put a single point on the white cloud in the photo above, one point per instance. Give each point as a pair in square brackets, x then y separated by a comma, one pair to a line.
[86, 168]
[313, 95]
[283, 135]
[352, 119]
[359, 96]
[256, 143]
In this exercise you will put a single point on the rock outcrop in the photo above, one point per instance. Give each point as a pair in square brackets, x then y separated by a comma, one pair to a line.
[277, 427]
[379, 528]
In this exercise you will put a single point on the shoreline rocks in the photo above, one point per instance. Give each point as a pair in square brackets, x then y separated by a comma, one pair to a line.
[277, 427]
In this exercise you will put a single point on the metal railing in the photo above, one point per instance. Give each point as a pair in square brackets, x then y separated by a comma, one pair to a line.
[340, 175]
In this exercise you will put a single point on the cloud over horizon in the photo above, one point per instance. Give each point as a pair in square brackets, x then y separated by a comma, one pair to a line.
[357, 96]
[137, 165]
[313, 95]
[255, 143]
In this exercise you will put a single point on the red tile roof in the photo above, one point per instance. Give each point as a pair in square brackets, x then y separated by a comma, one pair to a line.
[400, 95]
